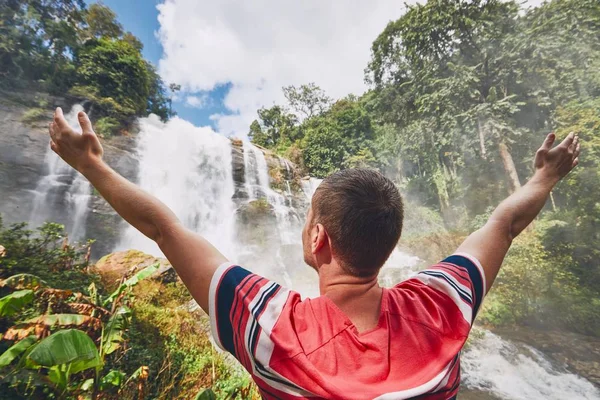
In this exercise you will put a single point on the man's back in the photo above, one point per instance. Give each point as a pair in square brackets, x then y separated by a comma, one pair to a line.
[296, 349]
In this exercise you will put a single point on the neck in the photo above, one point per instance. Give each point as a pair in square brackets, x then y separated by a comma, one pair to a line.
[357, 297]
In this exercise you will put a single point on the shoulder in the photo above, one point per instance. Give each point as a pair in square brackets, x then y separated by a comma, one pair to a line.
[445, 296]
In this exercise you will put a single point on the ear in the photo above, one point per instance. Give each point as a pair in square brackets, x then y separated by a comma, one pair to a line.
[319, 238]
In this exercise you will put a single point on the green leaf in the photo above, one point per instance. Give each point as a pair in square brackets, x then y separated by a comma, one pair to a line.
[15, 350]
[15, 301]
[69, 346]
[58, 376]
[87, 384]
[206, 394]
[23, 281]
[66, 320]
[143, 274]
[113, 378]
[114, 331]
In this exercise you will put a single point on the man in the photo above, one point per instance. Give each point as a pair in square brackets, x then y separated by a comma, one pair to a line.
[357, 340]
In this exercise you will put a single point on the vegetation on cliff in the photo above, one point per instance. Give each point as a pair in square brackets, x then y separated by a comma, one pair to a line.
[70, 49]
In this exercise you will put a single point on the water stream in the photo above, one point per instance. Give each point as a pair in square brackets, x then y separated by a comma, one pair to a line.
[64, 189]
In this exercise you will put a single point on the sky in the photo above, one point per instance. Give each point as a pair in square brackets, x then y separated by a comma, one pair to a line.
[232, 57]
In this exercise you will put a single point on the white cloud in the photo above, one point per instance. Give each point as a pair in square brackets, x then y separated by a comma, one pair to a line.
[197, 101]
[259, 46]
[262, 45]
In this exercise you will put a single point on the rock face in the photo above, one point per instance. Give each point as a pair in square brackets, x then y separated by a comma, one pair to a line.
[23, 148]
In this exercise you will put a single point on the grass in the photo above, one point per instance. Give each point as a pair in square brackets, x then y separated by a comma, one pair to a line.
[173, 340]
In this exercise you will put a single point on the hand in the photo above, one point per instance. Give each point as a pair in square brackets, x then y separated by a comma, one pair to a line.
[78, 150]
[555, 163]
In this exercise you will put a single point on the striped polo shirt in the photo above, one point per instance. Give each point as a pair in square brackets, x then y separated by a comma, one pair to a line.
[296, 349]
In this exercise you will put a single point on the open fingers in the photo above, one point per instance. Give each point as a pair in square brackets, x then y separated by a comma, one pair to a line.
[548, 142]
[84, 122]
[568, 140]
[59, 120]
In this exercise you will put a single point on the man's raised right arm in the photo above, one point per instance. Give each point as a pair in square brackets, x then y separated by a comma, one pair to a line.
[490, 244]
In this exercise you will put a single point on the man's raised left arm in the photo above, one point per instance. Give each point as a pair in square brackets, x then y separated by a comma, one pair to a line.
[192, 256]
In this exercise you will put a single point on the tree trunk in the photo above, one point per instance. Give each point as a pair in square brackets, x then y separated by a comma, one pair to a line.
[481, 138]
[509, 166]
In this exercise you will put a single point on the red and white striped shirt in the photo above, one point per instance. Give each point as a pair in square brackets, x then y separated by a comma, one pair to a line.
[298, 349]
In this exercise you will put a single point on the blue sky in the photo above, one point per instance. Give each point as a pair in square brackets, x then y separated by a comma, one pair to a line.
[140, 17]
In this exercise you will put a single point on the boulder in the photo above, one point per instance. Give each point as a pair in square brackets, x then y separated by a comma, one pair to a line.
[115, 267]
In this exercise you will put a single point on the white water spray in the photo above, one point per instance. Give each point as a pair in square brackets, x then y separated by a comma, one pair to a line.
[189, 169]
[500, 367]
[63, 185]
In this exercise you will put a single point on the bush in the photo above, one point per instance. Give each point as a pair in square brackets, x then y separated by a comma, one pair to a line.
[107, 126]
[45, 253]
[538, 289]
[34, 115]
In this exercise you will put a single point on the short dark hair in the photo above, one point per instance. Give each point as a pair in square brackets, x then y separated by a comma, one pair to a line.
[362, 212]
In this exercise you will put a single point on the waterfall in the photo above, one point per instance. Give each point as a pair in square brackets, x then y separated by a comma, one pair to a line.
[500, 367]
[189, 169]
[63, 194]
[258, 185]
[309, 185]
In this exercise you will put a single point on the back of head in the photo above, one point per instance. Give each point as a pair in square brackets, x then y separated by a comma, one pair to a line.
[362, 212]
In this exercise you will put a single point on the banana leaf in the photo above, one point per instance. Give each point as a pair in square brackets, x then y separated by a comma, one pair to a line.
[16, 350]
[114, 331]
[23, 281]
[143, 274]
[84, 321]
[13, 302]
[70, 348]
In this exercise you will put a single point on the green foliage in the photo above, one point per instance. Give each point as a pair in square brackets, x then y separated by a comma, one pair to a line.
[13, 302]
[115, 69]
[66, 47]
[102, 22]
[45, 254]
[107, 126]
[16, 350]
[537, 288]
[65, 355]
[307, 100]
[174, 343]
[206, 394]
[114, 331]
[69, 348]
[143, 274]
[34, 115]
[22, 281]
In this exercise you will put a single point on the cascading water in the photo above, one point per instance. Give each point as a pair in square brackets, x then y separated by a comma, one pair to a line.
[190, 169]
[509, 372]
[64, 187]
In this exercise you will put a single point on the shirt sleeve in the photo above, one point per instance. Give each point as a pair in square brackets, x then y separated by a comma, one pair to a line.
[243, 307]
[461, 278]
